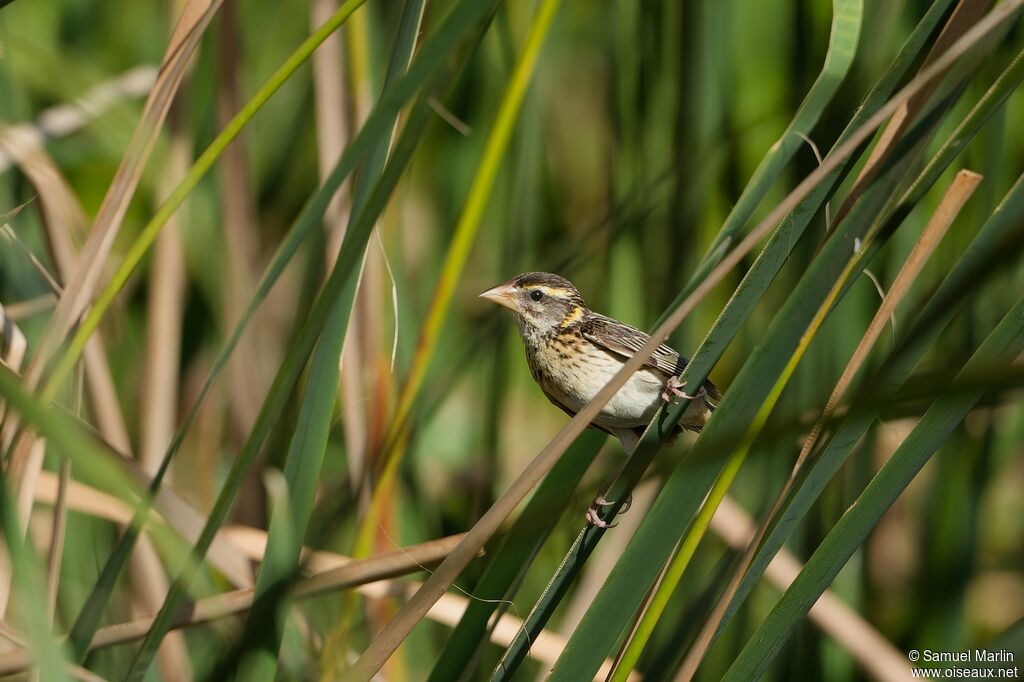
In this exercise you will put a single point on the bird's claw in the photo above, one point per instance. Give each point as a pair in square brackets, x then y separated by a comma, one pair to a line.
[595, 520]
[674, 389]
[601, 501]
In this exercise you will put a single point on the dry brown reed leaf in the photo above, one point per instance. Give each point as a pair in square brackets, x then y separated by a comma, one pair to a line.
[13, 347]
[22, 310]
[956, 196]
[873, 652]
[388, 640]
[339, 107]
[250, 369]
[346, 573]
[191, 25]
[158, 415]
[174, 510]
[23, 139]
[966, 14]
[81, 284]
[330, 572]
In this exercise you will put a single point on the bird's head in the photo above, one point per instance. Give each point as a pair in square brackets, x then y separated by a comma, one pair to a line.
[543, 303]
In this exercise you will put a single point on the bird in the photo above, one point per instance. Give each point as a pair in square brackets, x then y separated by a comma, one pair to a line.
[572, 352]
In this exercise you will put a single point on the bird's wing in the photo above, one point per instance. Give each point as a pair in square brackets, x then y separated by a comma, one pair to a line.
[624, 340]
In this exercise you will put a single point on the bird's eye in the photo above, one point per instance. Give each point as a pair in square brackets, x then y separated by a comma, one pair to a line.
[536, 294]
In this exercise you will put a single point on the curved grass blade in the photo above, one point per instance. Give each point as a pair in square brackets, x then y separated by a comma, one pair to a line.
[49, 657]
[985, 257]
[195, 17]
[338, 293]
[432, 589]
[680, 498]
[431, 57]
[999, 349]
[455, 259]
[847, 16]
[461, 29]
[843, 41]
[90, 457]
[510, 562]
[955, 284]
[264, 626]
[199, 169]
[956, 196]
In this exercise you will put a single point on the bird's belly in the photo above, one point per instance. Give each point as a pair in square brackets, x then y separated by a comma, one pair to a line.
[632, 405]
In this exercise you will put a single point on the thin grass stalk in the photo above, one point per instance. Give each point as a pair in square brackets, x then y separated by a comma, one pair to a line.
[340, 288]
[55, 553]
[362, 349]
[337, 294]
[23, 465]
[689, 484]
[431, 57]
[47, 655]
[343, 573]
[389, 639]
[880, 658]
[966, 14]
[250, 371]
[199, 169]
[362, 419]
[930, 237]
[159, 399]
[1001, 346]
[956, 196]
[306, 451]
[58, 530]
[844, 440]
[843, 42]
[455, 257]
[509, 563]
[330, 82]
[194, 19]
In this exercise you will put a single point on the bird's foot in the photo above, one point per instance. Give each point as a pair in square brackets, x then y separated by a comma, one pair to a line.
[674, 389]
[592, 513]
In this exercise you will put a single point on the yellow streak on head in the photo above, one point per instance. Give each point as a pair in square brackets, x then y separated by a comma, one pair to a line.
[574, 316]
[555, 292]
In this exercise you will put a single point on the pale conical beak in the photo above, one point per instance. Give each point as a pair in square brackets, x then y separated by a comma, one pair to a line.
[503, 294]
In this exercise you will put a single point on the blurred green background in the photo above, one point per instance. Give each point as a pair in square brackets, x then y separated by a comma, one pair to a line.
[643, 123]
